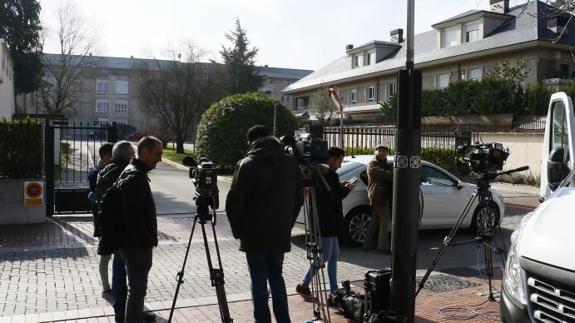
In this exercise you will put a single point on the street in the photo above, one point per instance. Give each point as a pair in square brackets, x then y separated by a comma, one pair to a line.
[50, 270]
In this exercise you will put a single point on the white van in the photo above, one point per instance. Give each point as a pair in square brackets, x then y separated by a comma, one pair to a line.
[539, 278]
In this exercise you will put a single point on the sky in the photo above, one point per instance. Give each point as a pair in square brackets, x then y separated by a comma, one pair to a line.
[303, 34]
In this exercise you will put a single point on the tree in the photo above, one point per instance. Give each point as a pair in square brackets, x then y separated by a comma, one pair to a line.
[322, 106]
[61, 84]
[239, 61]
[177, 93]
[20, 27]
[505, 70]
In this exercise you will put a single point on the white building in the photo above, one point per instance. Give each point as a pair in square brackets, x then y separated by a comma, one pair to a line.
[6, 83]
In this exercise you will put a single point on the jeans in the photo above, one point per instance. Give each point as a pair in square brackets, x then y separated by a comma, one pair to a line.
[138, 264]
[330, 253]
[119, 287]
[264, 268]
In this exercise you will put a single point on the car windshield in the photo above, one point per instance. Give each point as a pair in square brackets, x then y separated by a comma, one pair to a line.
[348, 166]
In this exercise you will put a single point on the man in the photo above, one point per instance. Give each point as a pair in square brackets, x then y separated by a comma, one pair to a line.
[379, 190]
[329, 193]
[139, 219]
[105, 153]
[122, 152]
[262, 206]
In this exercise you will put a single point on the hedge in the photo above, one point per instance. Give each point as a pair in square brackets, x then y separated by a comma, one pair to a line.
[222, 129]
[21, 149]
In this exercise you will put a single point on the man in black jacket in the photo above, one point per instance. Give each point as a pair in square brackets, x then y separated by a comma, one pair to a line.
[329, 193]
[105, 153]
[262, 205]
[139, 219]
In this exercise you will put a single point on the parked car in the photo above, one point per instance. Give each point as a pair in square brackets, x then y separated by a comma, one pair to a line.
[539, 276]
[444, 198]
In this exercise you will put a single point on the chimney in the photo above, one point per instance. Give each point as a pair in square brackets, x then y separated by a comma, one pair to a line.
[500, 6]
[348, 47]
[396, 35]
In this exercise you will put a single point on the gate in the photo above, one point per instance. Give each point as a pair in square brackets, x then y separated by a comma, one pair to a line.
[69, 153]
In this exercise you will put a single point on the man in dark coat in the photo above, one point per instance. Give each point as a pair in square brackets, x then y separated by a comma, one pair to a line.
[262, 205]
[330, 192]
[379, 190]
[105, 154]
[140, 223]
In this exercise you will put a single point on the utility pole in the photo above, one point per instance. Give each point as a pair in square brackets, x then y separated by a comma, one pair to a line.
[406, 197]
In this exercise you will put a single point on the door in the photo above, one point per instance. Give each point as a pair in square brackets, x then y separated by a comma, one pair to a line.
[557, 157]
[443, 200]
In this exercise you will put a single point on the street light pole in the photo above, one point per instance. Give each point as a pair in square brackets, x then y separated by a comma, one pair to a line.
[407, 163]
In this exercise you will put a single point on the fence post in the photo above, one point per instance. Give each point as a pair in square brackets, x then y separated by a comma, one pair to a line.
[462, 138]
[49, 166]
[112, 133]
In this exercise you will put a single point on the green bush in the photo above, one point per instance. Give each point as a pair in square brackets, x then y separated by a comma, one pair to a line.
[21, 148]
[222, 129]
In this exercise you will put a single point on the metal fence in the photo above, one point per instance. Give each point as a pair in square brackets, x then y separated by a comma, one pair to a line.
[370, 137]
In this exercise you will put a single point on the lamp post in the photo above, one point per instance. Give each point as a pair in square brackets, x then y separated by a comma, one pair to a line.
[269, 93]
[407, 163]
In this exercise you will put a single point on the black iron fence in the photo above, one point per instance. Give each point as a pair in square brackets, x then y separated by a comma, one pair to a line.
[371, 136]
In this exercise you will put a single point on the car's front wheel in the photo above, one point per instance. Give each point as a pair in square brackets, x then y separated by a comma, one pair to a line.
[356, 223]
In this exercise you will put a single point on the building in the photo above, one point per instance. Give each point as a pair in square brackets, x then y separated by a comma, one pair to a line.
[7, 104]
[108, 90]
[463, 47]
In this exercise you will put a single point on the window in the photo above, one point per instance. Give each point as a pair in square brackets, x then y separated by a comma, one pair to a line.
[122, 121]
[370, 58]
[103, 122]
[102, 106]
[390, 90]
[357, 60]
[121, 87]
[450, 37]
[441, 81]
[371, 94]
[475, 74]
[471, 32]
[122, 106]
[432, 176]
[302, 102]
[353, 96]
[559, 131]
[102, 86]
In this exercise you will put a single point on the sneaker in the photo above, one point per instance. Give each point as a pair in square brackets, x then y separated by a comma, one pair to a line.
[303, 291]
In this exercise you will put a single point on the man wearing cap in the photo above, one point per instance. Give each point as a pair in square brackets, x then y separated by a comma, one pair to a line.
[262, 205]
[379, 190]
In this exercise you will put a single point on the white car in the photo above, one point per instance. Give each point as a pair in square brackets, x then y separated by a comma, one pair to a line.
[444, 198]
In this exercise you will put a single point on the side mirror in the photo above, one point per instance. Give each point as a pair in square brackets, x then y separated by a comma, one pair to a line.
[555, 167]
[189, 161]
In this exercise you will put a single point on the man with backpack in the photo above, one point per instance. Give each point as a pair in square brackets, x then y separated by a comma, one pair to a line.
[105, 153]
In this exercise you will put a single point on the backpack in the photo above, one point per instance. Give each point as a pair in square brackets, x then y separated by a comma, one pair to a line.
[110, 221]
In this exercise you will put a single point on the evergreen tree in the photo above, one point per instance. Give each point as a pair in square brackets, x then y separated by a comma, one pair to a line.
[20, 28]
[239, 61]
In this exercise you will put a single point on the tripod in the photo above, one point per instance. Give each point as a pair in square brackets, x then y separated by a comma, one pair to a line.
[485, 228]
[204, 215]
[310, 174]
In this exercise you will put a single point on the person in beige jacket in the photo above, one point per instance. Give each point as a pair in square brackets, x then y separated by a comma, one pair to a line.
[379, 188]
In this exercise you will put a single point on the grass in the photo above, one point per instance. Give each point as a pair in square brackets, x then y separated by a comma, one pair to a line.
[171, 154]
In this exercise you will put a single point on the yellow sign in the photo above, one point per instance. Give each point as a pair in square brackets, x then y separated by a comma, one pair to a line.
[33, 193]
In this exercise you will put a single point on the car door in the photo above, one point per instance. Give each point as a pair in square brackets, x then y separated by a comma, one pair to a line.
[443, 199]
[558, 143]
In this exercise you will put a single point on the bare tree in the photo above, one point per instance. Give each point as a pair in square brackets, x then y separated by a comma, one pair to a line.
[177, 92]
[322, 106]
[62, 71]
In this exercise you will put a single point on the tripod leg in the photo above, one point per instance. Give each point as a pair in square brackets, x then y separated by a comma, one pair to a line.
[180, 275]
[446, 241]
[489, 269]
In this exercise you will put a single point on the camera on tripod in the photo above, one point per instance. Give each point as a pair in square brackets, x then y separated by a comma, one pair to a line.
[306, 148]
[205, 179]
[483, 158]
